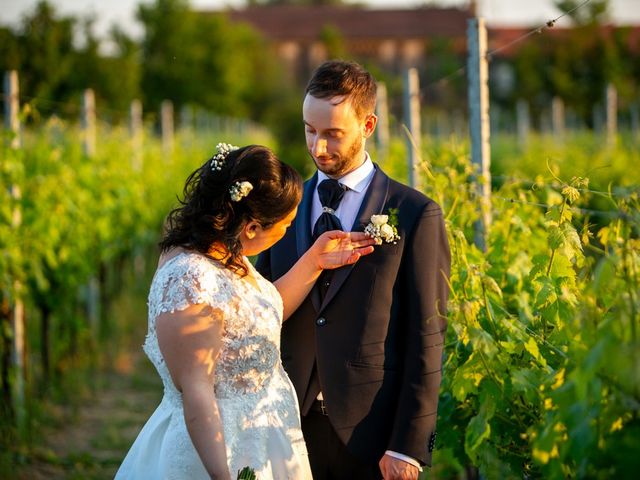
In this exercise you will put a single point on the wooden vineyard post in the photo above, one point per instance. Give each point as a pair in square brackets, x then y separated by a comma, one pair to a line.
[89, 122]
[16, 306]
[135, 133]
[412, 121]
[166, 125]
[478, 72]
[382, 111]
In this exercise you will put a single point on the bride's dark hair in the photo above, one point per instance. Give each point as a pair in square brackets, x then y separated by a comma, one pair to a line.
[207, 215]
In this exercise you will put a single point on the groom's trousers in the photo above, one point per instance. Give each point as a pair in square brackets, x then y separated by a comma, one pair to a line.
[329, 457]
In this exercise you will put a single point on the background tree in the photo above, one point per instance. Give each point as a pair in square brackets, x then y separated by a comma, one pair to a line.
[115, 78]
[121, 89]
[333, 41]
[576, 64]
[58, 57]
[9, 49]
[202, 59]
[594, 12]
[443, 60]
[45, 55]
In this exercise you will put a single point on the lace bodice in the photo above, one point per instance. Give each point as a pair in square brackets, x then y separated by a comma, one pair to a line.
[252, 319]
[255, 398]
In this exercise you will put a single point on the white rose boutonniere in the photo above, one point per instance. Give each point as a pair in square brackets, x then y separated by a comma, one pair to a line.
[381, 229]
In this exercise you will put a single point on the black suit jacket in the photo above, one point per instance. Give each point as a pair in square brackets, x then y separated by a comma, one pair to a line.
[379, 346]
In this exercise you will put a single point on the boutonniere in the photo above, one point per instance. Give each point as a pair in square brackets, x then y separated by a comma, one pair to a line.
[382, 228]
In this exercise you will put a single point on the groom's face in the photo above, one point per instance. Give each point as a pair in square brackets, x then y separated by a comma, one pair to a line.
[335, 134]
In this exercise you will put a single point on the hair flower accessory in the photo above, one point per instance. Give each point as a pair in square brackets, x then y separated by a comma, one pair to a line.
[239, 190]
[222, 150]
[381, 230]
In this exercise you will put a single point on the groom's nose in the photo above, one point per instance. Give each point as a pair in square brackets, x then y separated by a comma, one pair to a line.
[319, 147]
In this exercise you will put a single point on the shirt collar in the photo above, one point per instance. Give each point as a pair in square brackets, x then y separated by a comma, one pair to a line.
[357, 179]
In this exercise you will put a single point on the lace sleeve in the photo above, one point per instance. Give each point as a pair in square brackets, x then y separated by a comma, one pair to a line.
[185, 280]
[188, 280]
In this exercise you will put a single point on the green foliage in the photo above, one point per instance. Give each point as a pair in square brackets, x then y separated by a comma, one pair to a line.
[246, 474]
[581, 154]
[285, 123]
[576, 65]
[332, 39]
[443, 59]
[185, 56]
[592, 12]
[195, 58]
[46, 46]
[541, 372]
[77, 222]
[58, 57]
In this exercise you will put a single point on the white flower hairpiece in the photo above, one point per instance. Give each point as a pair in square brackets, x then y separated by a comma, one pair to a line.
[222, 150]
[380, 230]
[239, 190]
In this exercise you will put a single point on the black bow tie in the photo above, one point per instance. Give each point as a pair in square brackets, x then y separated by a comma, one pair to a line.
[330, 192]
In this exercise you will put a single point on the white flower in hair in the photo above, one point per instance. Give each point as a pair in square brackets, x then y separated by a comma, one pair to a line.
[222, 150]
[239, 190]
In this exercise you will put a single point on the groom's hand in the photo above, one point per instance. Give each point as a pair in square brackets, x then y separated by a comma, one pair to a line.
[395, 469]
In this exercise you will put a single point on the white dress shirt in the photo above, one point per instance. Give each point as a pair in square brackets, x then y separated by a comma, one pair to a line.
[357, 182]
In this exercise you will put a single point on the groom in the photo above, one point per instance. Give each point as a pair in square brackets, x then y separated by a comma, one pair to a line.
[364, 350]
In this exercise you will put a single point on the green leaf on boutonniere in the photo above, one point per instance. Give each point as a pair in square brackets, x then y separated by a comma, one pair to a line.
[393, 216]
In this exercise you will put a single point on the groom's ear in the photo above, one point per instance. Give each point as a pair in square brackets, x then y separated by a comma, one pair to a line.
[369, 125]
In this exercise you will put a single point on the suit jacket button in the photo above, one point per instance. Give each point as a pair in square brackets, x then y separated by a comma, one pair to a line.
[432, 441]
[321, 321]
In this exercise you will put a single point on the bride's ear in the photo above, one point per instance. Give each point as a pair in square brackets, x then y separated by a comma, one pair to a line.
[250, 229]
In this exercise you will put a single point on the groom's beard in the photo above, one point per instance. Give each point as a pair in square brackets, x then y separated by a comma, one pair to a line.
[343, 164]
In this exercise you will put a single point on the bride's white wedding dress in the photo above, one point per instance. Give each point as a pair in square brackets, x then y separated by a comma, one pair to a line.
[255, 397]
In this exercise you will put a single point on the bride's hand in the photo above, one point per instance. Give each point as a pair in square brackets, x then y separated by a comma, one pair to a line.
[336, 248]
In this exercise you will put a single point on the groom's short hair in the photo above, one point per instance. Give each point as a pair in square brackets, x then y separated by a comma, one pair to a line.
[337, 78]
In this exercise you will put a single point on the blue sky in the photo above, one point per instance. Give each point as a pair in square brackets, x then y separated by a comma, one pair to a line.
[496, 12]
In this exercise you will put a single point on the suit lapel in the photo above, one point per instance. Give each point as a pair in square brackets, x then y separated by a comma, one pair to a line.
[303, 219]
[303, 229]
[374, 200]
[372, 204]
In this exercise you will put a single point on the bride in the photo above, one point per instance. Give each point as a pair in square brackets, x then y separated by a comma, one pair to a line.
[214, 325]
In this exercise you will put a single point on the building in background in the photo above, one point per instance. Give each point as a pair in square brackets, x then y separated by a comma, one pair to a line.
[394, 39]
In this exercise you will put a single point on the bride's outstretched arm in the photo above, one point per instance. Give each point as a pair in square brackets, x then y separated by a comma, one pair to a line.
[331, 250]
[190, 341]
